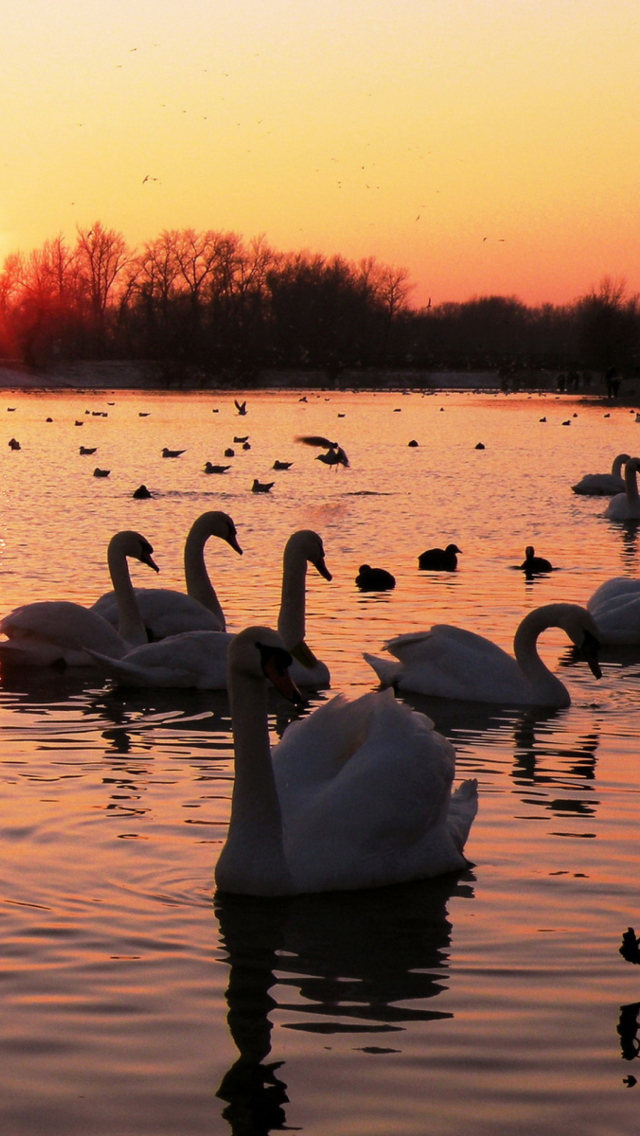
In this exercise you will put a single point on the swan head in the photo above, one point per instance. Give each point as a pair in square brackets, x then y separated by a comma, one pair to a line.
[307, 543]
[581, 628]
[216, 523]
[130, 543]
[258, 653]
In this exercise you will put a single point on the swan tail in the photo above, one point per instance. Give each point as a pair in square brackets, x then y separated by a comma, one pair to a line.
[387, 670]
[463, 807]
[121, 669]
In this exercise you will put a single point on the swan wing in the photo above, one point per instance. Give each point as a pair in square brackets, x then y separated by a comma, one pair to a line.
[599, 485]
[315, 748]
[384, 816]
[59, 628]
[451, 662]
[194, 659]
[164, 612]
[615, 607]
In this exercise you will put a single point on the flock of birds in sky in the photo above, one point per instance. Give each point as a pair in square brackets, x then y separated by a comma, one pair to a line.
[349, 776]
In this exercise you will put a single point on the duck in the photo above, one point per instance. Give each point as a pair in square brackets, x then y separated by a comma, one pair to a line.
[281, 465]
[262, 486]
[101, 472]
[167, 453]
[88, 449]
[533, 564]
[166, 611]
[450, 662]
[603, 484]
[198, 659]
[141, 493]
[440, 559]
[374, 579]
[356, 795]
[626, 506]
[615, 607]
[50, 632]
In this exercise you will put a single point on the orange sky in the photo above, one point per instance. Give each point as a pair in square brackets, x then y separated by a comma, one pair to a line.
[489, 146]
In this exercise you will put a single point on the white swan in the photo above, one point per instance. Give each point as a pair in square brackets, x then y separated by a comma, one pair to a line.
[449, 662]
[626, 506]
[55, 631]
[356, 795]
[615, 607]
[168, 612]
[198, 659]
[603, 484]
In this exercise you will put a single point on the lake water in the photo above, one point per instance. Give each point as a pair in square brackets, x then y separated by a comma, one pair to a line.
[134, 1001]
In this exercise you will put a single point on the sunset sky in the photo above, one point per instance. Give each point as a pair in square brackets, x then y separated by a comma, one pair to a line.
[488, 146]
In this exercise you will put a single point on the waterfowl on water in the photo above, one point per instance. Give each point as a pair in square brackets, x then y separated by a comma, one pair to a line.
[450, 662]
[166, 611]
[198, 659]
[440, 559]
[356, 795]
[57, 631]
[603, 484]
[533, 564]
[374, 579]
[167, 453]
[626, 506]
[210, 468]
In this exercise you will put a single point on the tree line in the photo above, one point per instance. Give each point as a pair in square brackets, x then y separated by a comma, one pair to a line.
[214, 301]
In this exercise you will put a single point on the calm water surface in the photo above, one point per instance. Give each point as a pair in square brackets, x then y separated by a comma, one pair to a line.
[137, 1003]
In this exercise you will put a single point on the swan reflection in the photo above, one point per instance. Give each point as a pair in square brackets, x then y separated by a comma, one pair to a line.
[362, 963]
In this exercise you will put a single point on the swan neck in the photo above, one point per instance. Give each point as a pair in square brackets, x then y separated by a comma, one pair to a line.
[291, 620]
[525, 648]
[130, 625]
[252, 860]
[631, 482]
[199, 585]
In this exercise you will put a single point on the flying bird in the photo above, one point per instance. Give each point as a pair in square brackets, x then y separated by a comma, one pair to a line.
[241, 407]
[335, 454]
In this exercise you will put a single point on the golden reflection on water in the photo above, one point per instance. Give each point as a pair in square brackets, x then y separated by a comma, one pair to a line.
[345, 1013]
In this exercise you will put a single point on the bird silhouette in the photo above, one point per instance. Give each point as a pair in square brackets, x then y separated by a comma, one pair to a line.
[241, 407]
[335, 454]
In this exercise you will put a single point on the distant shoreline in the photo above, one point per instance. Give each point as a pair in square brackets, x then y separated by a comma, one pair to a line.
[174, 378]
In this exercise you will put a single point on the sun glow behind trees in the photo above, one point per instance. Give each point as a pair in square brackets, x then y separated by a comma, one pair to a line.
[225, 305]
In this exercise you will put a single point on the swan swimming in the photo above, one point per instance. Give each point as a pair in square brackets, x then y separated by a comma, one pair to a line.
[58, 631]
[449, 662]
[198, 659]
[167, 612]
[603, 484]
[626, 506]
[356, 795]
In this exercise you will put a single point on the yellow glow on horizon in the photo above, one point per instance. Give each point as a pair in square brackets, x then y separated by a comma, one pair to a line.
[486, 145]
